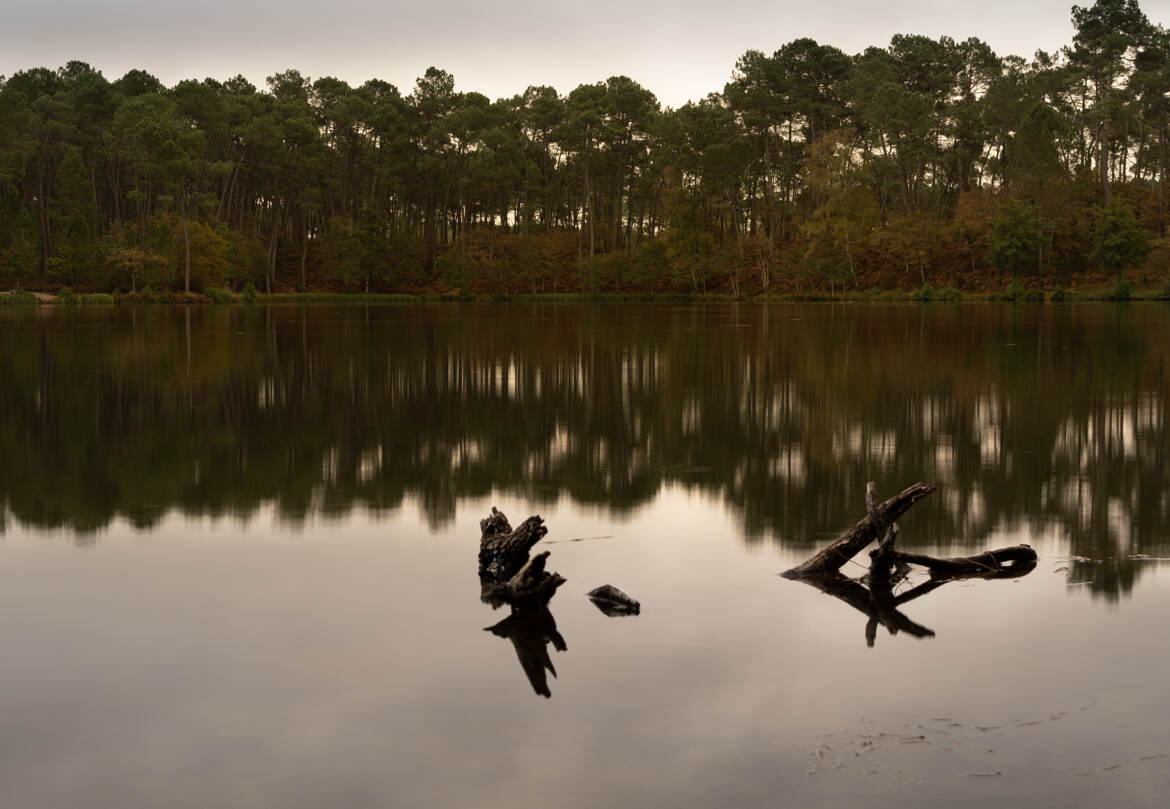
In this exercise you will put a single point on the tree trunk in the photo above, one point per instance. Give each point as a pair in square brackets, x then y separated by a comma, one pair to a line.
[305, 250]
[186, 237]
[1103, 158]
[43, 219]
[589, 202]
[1161, 180]
[270, 275]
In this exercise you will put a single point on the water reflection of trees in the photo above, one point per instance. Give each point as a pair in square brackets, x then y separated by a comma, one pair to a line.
[1045, 417]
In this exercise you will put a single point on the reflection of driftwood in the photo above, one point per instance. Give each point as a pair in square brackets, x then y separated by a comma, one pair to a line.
[530, 632]
[879, 610]
[887, 566]
[613, 602]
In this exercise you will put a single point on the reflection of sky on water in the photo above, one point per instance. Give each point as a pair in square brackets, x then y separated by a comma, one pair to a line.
[344, 663]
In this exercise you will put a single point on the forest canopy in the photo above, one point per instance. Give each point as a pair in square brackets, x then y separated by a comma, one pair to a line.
[927, 161]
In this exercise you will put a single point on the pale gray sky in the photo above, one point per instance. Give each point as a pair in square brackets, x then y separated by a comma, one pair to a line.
[680, 50]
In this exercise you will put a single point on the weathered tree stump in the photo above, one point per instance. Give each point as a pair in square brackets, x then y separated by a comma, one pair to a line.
[502, 550]
[506, 574]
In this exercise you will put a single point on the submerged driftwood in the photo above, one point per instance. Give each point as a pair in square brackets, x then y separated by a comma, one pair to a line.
[873, 594]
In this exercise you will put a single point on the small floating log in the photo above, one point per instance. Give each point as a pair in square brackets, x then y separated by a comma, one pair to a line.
[613, 602]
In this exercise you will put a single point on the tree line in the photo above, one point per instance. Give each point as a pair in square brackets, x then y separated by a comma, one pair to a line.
[929, 161]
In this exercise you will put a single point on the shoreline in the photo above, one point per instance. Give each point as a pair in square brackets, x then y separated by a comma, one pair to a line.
[1117, 293]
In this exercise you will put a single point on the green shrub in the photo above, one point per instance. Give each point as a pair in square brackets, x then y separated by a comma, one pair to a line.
[949, 293]
[19, 298]
[97, 299]
[1059, 295]
[923, 293]
[249, 294]
[1122, 290]
[67, 298]
[220, 295]
[1015, 291]
[1033, 296]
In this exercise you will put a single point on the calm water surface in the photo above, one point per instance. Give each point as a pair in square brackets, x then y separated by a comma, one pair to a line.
[238, 558]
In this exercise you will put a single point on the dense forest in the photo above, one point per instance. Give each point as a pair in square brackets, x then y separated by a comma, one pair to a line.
[926, 162]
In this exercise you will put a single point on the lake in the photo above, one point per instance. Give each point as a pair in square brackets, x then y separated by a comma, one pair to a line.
[238, 558]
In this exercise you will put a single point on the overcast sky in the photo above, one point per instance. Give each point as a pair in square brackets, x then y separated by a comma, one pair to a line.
[681, 49]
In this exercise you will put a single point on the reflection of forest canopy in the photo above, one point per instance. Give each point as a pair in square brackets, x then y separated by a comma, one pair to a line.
[1044, 417]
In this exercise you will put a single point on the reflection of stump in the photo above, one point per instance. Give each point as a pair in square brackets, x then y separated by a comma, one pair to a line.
[530, 632]
[889, 566]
